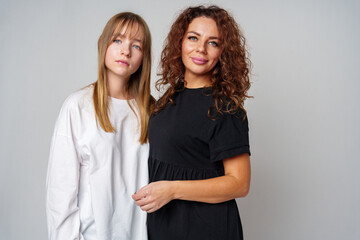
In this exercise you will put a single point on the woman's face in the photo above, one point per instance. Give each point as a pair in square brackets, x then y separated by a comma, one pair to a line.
[201, 48]
[124, 55]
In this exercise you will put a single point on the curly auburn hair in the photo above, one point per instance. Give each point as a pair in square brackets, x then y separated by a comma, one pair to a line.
[230, 77]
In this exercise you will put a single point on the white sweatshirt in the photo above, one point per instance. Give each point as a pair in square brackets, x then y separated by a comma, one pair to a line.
[92, 174]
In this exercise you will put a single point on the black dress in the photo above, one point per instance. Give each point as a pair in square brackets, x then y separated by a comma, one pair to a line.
[185, 144]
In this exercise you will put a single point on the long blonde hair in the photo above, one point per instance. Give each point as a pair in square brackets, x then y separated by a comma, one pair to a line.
[139, 83]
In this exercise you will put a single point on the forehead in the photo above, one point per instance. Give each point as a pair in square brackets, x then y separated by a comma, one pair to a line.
[131, 30]
[204, 26]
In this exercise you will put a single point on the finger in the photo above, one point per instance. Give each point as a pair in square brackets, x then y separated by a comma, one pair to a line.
[142, 202]
[152, 210]
[146, 207]
[138, 195]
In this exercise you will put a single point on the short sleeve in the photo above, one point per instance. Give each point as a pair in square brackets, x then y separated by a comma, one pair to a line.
[230, 137]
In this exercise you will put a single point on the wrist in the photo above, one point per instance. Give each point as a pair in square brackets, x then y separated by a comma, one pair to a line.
[174, 189]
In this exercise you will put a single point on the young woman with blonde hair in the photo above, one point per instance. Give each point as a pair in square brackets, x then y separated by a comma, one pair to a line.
[99, 150]
[199, 146]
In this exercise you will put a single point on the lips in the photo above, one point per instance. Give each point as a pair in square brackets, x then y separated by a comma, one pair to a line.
[122, 62]
[198, 60]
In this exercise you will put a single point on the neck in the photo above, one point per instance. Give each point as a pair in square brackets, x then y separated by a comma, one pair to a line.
[118, 86]
[196, 81]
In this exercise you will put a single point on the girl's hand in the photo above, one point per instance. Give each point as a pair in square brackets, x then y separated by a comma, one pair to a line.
[154, 195]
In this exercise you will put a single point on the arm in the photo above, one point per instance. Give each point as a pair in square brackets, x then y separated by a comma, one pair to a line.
[235, 183]
[62, 183]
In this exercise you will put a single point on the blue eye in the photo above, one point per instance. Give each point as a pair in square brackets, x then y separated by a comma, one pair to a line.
[137, 47]
[117, 41]
[215, 44]
[192, 38]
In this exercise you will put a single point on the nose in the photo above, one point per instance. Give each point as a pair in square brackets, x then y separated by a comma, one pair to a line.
[125, 49]
[201, 48]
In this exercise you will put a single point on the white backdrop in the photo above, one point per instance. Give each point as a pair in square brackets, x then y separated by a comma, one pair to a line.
[304, 119]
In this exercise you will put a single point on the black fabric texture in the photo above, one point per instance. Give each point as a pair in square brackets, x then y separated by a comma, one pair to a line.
[185, 144]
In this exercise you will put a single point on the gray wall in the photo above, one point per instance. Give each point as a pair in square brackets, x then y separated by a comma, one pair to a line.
[304, 119]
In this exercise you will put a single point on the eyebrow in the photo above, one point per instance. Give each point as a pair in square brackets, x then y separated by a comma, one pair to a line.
[198, 34]
[122, 36]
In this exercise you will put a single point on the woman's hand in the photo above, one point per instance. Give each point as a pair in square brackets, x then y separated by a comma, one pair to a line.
[235, 183]
[154, 195]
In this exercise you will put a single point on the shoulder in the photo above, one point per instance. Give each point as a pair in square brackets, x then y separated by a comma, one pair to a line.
[76, 103]
[79, 99]
[236, 118]
[227, 108]
[70, 116]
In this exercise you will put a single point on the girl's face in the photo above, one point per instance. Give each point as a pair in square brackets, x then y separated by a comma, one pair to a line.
[124, 55]
[200, 48]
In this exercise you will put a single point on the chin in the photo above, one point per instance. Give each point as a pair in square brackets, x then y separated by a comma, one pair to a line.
[201, 72]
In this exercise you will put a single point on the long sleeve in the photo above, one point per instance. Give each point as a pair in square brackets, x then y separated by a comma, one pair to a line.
[92, 174]
[62, 183]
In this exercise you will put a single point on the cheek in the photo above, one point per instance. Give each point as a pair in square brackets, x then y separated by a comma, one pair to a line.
[138, 59]
[216, 55]
[185, 53]
[185, 48]
[108, 55]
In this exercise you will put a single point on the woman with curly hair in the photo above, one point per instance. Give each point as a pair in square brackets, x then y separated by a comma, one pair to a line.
[199, 146]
